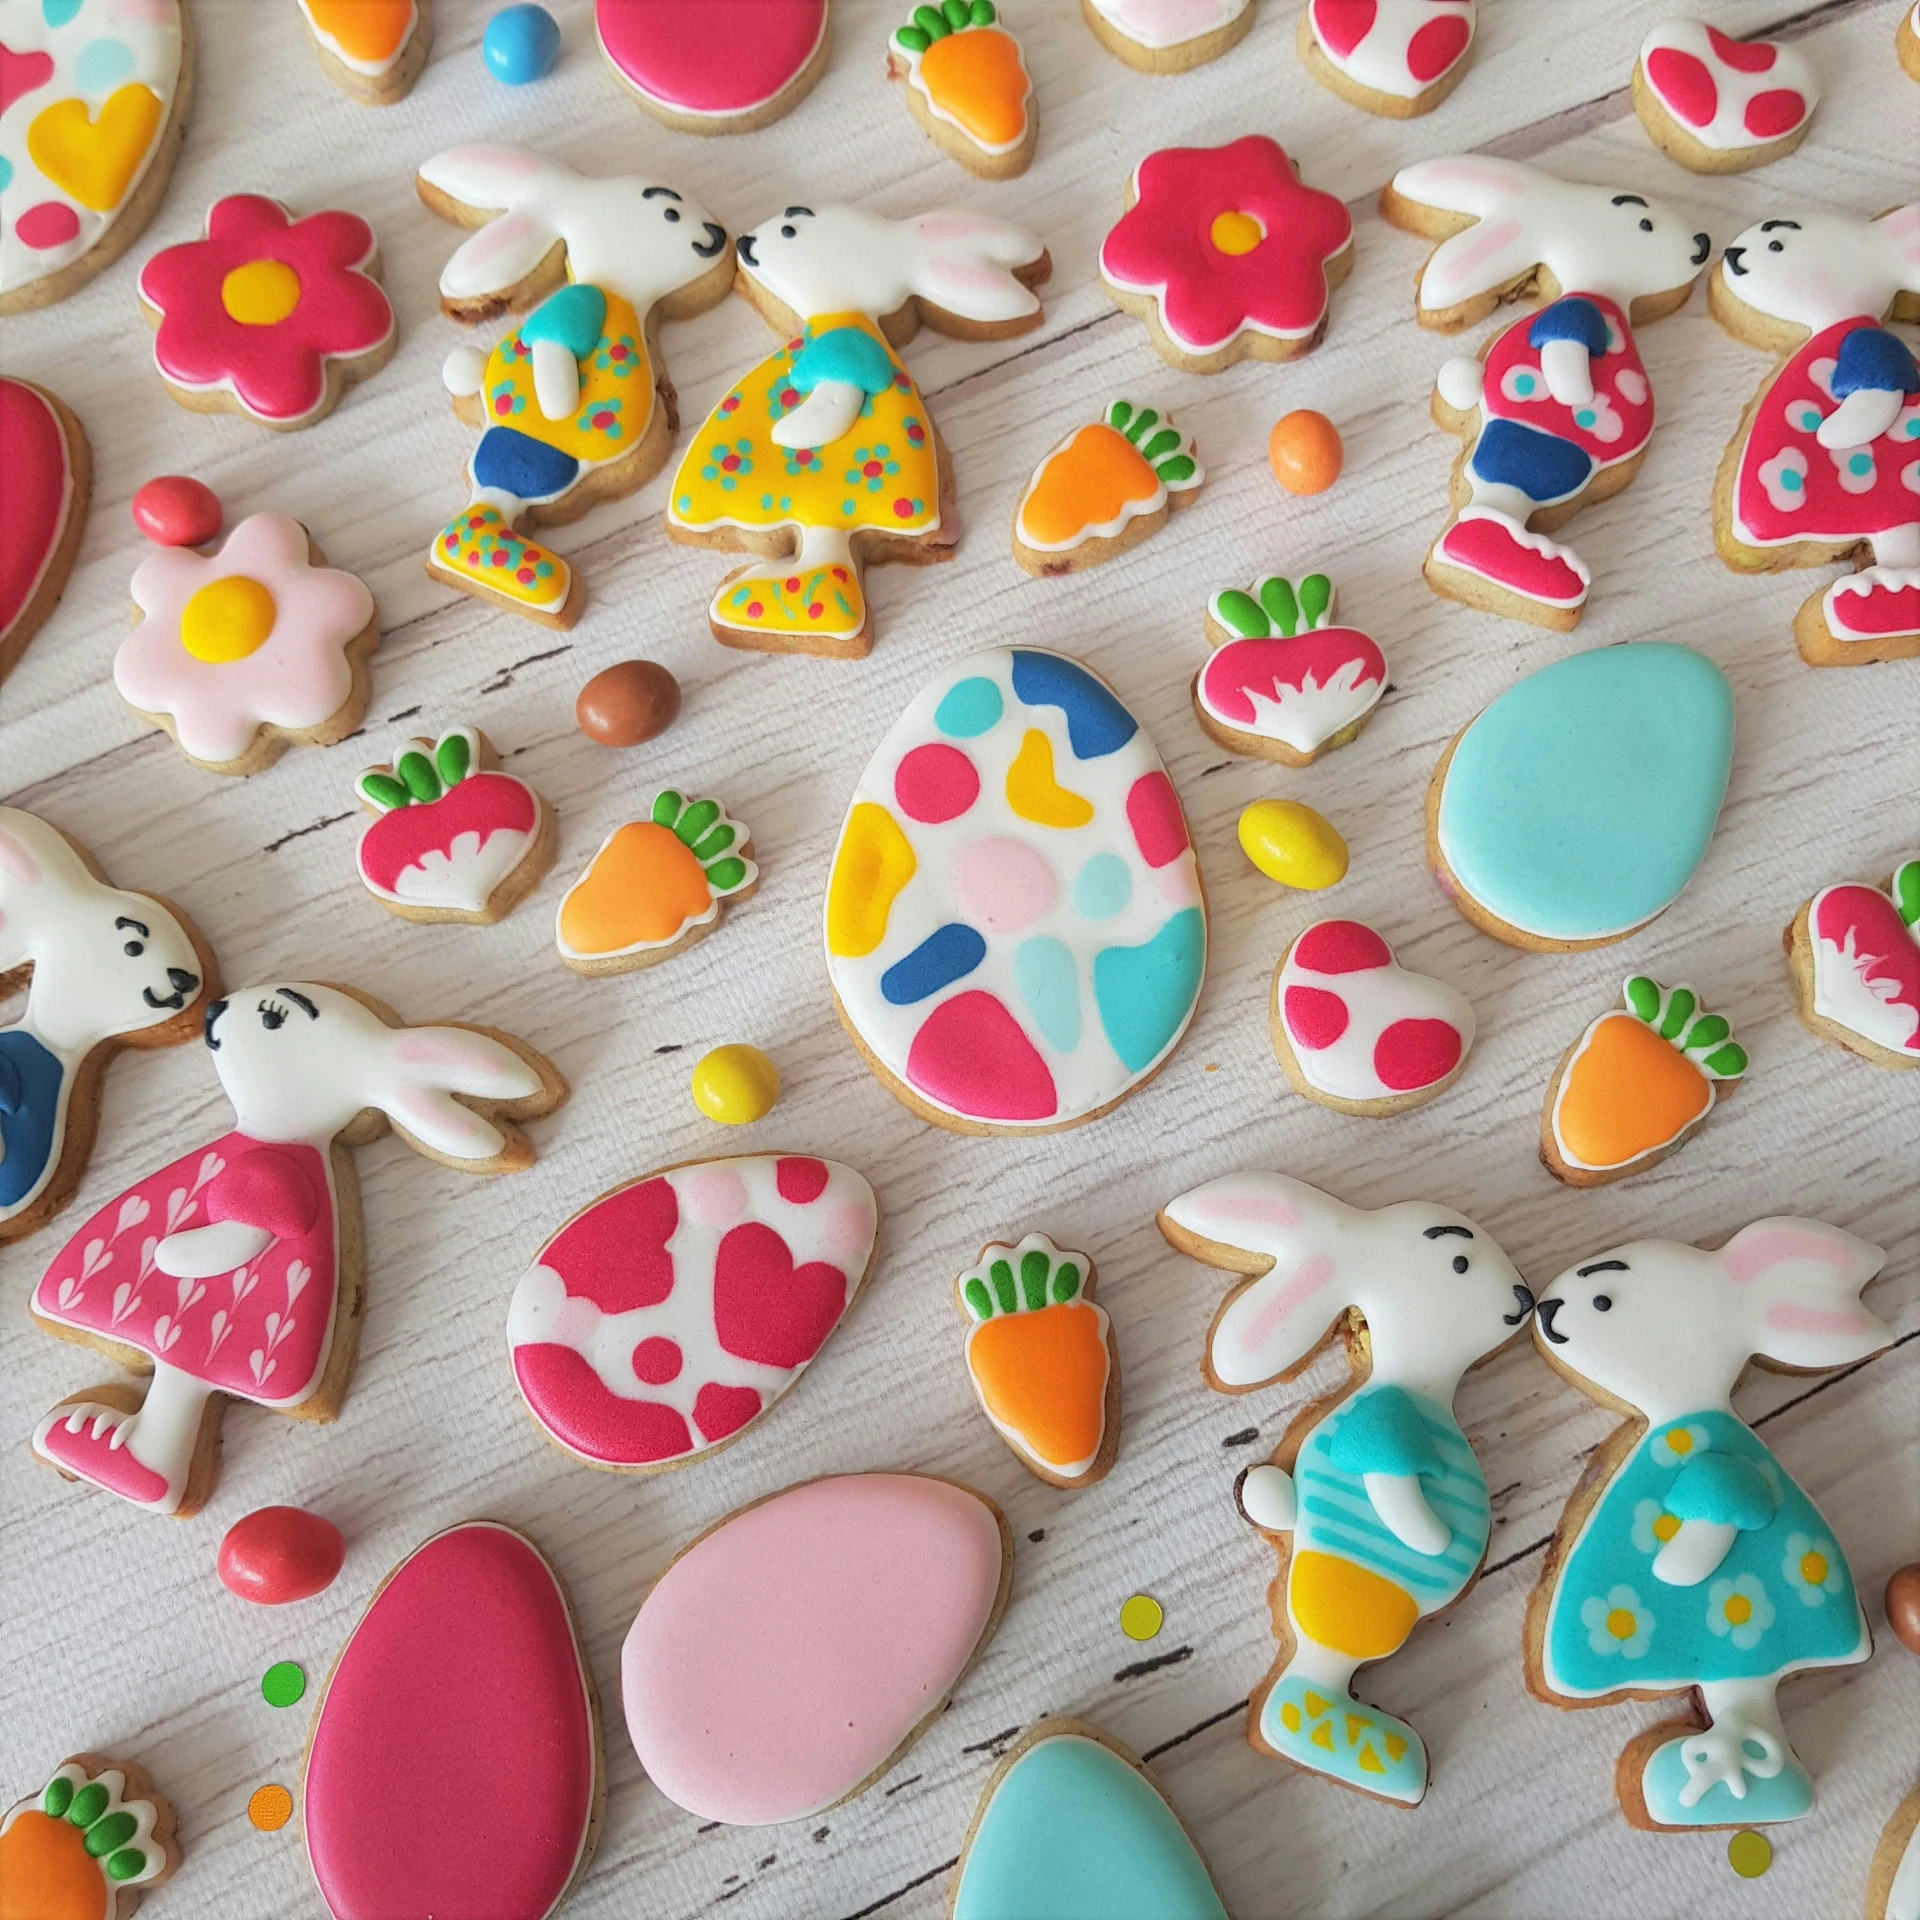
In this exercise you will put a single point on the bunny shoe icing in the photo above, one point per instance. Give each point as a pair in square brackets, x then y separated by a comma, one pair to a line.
[1688, 1561]
[237, 1269]
[824, 458]
[1558, 412]
[1373, 1500]
[104, 968]
[1825, 464]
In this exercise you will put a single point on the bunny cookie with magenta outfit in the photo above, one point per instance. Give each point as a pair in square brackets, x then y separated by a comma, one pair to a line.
[824, 457]
[1381, 1497]
[1825, 463]
[1558, 412]
[1688, 1561]
[238, 1268]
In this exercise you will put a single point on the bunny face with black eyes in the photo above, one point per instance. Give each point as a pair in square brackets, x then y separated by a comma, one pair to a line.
[1815, 268]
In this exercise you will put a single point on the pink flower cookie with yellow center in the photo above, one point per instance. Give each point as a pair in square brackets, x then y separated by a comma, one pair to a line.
[268, 315]
[244, 650]
[1225, 254]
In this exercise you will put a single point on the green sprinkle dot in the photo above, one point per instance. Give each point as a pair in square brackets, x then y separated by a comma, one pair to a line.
[284, 1684]
[1749, 1854]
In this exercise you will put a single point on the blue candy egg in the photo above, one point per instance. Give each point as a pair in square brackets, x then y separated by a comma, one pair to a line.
[521, 44]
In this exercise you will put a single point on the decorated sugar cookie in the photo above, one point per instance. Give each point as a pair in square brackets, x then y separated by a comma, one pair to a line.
[1854, 954]
[1072, 1825]
[1688, 1561]
[372, 50]
[1358, 1032]
[792, 1653]
[968, 85]
[656, 886]
[1825, 464]
[1226, 255]
[1016, 932]
[824, 459]
[247, 650]
[1558, 411]
[452, 837]
[1720, 105]
[715, 66]
[1635, 1085]
[1577, 806]
[49, 467]
[94, 96]
[238, 1269]
[1399, 58]
[574, 405]
[1373, 1500]
[103, 968]
[1283, 682]
[465, 1677]
[1042, 1359]
[1168, 36]
[667, 1317]
[87, 1845]
[1893, 1880]
[1105, 488]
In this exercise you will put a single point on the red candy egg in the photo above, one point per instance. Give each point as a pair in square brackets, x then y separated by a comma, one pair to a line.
[280, 1554]
[175, 511]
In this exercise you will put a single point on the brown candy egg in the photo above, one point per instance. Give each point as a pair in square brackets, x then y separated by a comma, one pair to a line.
[1903, 1605]
[625, 704]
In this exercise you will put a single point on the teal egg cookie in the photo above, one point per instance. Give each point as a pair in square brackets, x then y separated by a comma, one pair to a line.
[1580, 803]
[1072, 1829]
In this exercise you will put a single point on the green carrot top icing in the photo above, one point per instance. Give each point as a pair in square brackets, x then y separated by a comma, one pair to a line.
[1677, 1016]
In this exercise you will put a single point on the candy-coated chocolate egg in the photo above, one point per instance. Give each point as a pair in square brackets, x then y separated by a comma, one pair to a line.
[623, 705]
[1903, 1606]
[1305, 451]
[520, 44]
[1294, 845]
[736, 1085]
[280, 1554]
[175, 511]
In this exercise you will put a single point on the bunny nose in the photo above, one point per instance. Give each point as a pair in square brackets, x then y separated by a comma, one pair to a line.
[744, 248]
[181, 980]
[1524, 1295]
[1736, 258]
[1702, 246]
[715, 240]
[1546, 1310]
[215, 1008]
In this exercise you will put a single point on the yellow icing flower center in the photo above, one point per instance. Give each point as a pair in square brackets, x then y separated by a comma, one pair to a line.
[1237, 233]
[1739, 1609]
[1666, 1527]
[1680, 1441]
[1813, 1569]
[260, 294]
[1621, 1624]
[227, 620]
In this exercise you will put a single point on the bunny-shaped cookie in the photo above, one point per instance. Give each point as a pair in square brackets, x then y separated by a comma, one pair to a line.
[1688, 1560]
[824, 457]
[1559, 411]
[574, 406]
[237, 1269]
[1385, 1503]
[1825, 464]
[103, 969]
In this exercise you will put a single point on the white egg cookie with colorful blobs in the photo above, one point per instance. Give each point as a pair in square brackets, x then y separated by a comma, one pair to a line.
[1104, 488]
[1853, 952]
[372, 50]
[1397, 58]
[1168, 36]
[1721, 105]
[968, 85]
[87, 1845]
[1015, 929]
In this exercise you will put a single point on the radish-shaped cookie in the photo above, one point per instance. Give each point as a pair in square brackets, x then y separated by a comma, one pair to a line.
[968, 85]
[1854, 954]
[1106, 487]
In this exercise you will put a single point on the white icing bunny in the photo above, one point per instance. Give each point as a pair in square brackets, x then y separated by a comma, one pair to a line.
[107, 966]
[1700, 1565]
[1385, 1503]
[1816, 268]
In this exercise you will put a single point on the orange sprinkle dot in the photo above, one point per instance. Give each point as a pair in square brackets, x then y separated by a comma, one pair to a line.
[270, 1808]
[1305, 451]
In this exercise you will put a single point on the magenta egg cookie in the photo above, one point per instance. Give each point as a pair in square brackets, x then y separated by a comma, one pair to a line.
[668, 1316]
[49, 467]
[715, 66]
[1016, 932]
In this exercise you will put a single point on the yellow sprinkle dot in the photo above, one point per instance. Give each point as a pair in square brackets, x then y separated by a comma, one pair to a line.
[270, 1808]
[1237, 233]
[227, 620]
[1293, 845]
[1749, 1854]
[736, 1085]
[260, 294]
[1141, 1617]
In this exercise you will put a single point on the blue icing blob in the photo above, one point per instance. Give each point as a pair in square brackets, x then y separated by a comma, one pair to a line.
[1723, 1490]
[1542, 465]
[1043, 970]
[969, 708]
[520, 44]
[1145, 994]
[843, 353]
[574, 316]
[1384, 1432]
[30, 1080]
[518, 464]
[1872, 360]
[1581, 802]
[1574, 318]
[1074, 1833]
[947, 954]
[59, 12]
[1097, 724]
[102, 65]
[1104, 887]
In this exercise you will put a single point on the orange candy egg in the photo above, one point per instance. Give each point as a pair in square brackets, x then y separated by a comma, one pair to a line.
[1305, 451]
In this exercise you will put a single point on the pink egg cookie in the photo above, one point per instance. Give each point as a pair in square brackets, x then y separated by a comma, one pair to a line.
[49, 468]
[1854, 954]
[1398, 58]
[715, 66]
[1720, 105]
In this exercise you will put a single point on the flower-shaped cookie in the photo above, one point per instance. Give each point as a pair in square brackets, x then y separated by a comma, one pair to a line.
[1224, 253]
[245, 648]
[268, 315]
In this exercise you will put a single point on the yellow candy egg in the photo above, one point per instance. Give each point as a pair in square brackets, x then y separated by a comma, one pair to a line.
[1293, 845]
[736, 1085]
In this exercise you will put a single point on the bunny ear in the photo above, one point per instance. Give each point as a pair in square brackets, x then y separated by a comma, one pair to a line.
[1470, 183]
[964, 265]
[19, 864]
[1902, 228]
[483, 176]
[1800, 1281]
[427, 1066]
[502, 254]
[1490, 254]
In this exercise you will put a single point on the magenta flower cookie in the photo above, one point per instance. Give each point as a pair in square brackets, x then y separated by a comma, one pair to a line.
[268, 316]
[1225, 254]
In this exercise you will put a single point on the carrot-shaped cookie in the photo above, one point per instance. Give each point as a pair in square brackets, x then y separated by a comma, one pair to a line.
[968, 85]
[86, 1845]
[1105, 487]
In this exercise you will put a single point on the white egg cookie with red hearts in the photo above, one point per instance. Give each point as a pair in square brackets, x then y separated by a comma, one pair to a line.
[1396, 58]
[1720, 105]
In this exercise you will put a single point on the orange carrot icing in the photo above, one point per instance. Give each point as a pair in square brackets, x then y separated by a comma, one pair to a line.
[643, 887]
[978, 80]
[1043, 1376]
[1089, 482]
[1627, 1092]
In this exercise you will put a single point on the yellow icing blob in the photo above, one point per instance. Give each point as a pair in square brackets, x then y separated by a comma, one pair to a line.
[227, 620]
[1349, 1608]
[736, 1085]
[1236, 233]
[1292, 844]
[260, 294]
[875, 862]
[1034, 794]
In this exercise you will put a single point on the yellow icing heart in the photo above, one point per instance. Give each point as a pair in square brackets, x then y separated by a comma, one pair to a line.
[95, 160]
[1034, 794]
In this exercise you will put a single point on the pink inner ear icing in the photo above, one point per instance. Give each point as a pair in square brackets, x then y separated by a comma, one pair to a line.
[17, 861]
[1251, 1208]
[1748, 1255]
[439, 1121]
[1307, 1278]
[421, 1052]
[1492, 238]
[1784, 1317]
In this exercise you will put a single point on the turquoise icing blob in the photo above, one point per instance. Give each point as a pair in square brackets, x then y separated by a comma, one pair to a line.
[1145, 993]
[1074, 1833]
[845, 354]
[1787, 1796]
[1580, 803]
[1103, 888]
[1723, 1490]
[58, 12]
[1044, 971]
[1385, 1433]
[574, 317]
[969, 708]
[102, 65]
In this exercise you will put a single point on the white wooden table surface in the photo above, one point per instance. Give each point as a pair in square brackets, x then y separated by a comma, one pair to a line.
[116, 1633]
